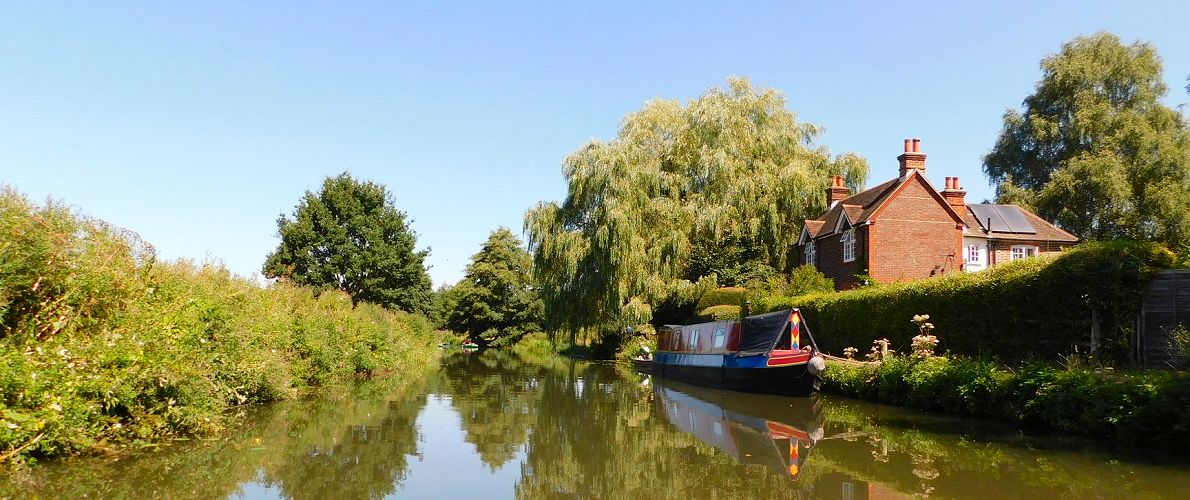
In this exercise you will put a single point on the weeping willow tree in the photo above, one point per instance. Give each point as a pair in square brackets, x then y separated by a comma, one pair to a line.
[733, 167]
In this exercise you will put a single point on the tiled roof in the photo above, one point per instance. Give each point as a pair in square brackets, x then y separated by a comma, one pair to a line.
[863, 205]
[858, 207]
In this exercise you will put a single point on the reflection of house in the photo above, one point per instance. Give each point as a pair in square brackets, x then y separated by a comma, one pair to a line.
[905, 229]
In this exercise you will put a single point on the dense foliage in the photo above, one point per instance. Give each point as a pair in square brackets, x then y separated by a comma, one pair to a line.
[718, 186]
[1095, 150]
[496, 302]
[1039, 307]
[349, 236]
[101, 346]
[1146, 409]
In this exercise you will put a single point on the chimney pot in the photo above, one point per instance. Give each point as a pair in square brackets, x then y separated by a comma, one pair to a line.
[908, 145]
[955, 181]
[916, 145]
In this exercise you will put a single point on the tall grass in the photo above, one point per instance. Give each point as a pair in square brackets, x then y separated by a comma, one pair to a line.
[103, 347]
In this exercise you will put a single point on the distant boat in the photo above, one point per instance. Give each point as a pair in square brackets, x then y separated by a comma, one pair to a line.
[763, 353]
[771, 431]
[471, 346]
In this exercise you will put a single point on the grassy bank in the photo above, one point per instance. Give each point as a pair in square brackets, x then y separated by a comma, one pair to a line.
[1142, 409]
[102, 347]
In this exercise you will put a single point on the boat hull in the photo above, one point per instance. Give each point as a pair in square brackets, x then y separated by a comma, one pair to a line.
[786, 380]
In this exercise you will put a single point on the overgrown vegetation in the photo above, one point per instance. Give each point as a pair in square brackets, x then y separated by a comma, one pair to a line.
[102, 347]
[1144, 409]
[1034, 308]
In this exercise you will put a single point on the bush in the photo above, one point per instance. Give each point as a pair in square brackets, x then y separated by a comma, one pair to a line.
[727, 296]
[1034, 308]
[719, 313]
[534, 344]
[1144, 408]
[101, 346]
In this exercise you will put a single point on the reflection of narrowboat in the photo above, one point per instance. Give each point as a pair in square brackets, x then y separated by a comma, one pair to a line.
[772, 431]
[763, 353]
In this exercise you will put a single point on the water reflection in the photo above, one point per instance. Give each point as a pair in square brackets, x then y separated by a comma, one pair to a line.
[497, 426]
[775, 432]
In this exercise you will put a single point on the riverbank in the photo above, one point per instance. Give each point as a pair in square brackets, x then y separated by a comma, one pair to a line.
[1143, 408]
[103, 348]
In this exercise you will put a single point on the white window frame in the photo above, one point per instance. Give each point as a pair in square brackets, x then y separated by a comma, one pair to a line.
[972, 254]
[848, 245]
[1024, 252]
[720, 338]
[811, 254]
[692, 344]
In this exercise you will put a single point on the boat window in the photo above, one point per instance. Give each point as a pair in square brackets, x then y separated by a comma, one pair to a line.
[720, 337]
[694, 340]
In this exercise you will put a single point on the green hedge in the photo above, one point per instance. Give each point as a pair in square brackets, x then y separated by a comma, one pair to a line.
[726, 296]
[1149, 409]
[1030, 309]
[719, 313]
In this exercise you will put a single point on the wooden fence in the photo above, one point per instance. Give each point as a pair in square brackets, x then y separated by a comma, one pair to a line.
[1166, 306]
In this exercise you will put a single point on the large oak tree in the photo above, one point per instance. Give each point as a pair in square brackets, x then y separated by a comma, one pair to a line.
[350, 236]
[1094, 150]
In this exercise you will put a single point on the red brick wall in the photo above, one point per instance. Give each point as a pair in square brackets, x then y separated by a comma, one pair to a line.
[830, 258]
[1001, 251]
[913, 236]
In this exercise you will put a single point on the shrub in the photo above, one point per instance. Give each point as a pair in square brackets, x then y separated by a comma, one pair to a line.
[1143, 408]
[726, 296]
[719, 313]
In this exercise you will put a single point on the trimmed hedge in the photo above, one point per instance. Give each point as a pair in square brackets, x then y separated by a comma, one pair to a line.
[1031, 309]
[726, 296]
[719, 313]
[1150, 409]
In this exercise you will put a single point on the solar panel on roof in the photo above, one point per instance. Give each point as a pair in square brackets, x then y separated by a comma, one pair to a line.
[1002, 218]
[1017, 223]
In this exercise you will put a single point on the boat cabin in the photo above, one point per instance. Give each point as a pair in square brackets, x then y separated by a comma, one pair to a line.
[754, 335]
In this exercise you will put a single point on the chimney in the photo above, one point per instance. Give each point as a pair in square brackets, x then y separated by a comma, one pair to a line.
[912, 158]
[954, 195]
[837, 192]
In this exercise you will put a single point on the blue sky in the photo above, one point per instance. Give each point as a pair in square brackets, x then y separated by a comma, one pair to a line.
[197, 125]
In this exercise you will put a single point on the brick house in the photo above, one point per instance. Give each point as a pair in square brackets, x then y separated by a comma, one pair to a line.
[905, 229]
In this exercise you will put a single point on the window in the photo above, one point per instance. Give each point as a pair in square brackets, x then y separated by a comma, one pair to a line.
[973, 254]
[720, 338]
[810, 253]
[1023, 252]
[693, 340]
[849, 245]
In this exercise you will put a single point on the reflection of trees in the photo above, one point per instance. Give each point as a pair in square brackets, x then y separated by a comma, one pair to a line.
[598, 435]
[495, 395]
[591, 431]
[353, 446]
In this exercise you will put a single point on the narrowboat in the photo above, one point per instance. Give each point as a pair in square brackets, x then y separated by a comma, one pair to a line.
[771, 353]
[775, 432]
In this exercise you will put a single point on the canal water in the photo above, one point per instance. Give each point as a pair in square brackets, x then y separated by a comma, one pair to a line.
[495, 425]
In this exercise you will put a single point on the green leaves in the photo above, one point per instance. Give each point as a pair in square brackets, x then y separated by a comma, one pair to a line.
[496, 300]
[350, 237]
[1095, 149]
[720, 185]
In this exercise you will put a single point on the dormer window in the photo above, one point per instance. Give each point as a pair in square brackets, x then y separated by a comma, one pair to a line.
[848, 245]
[811, 253]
